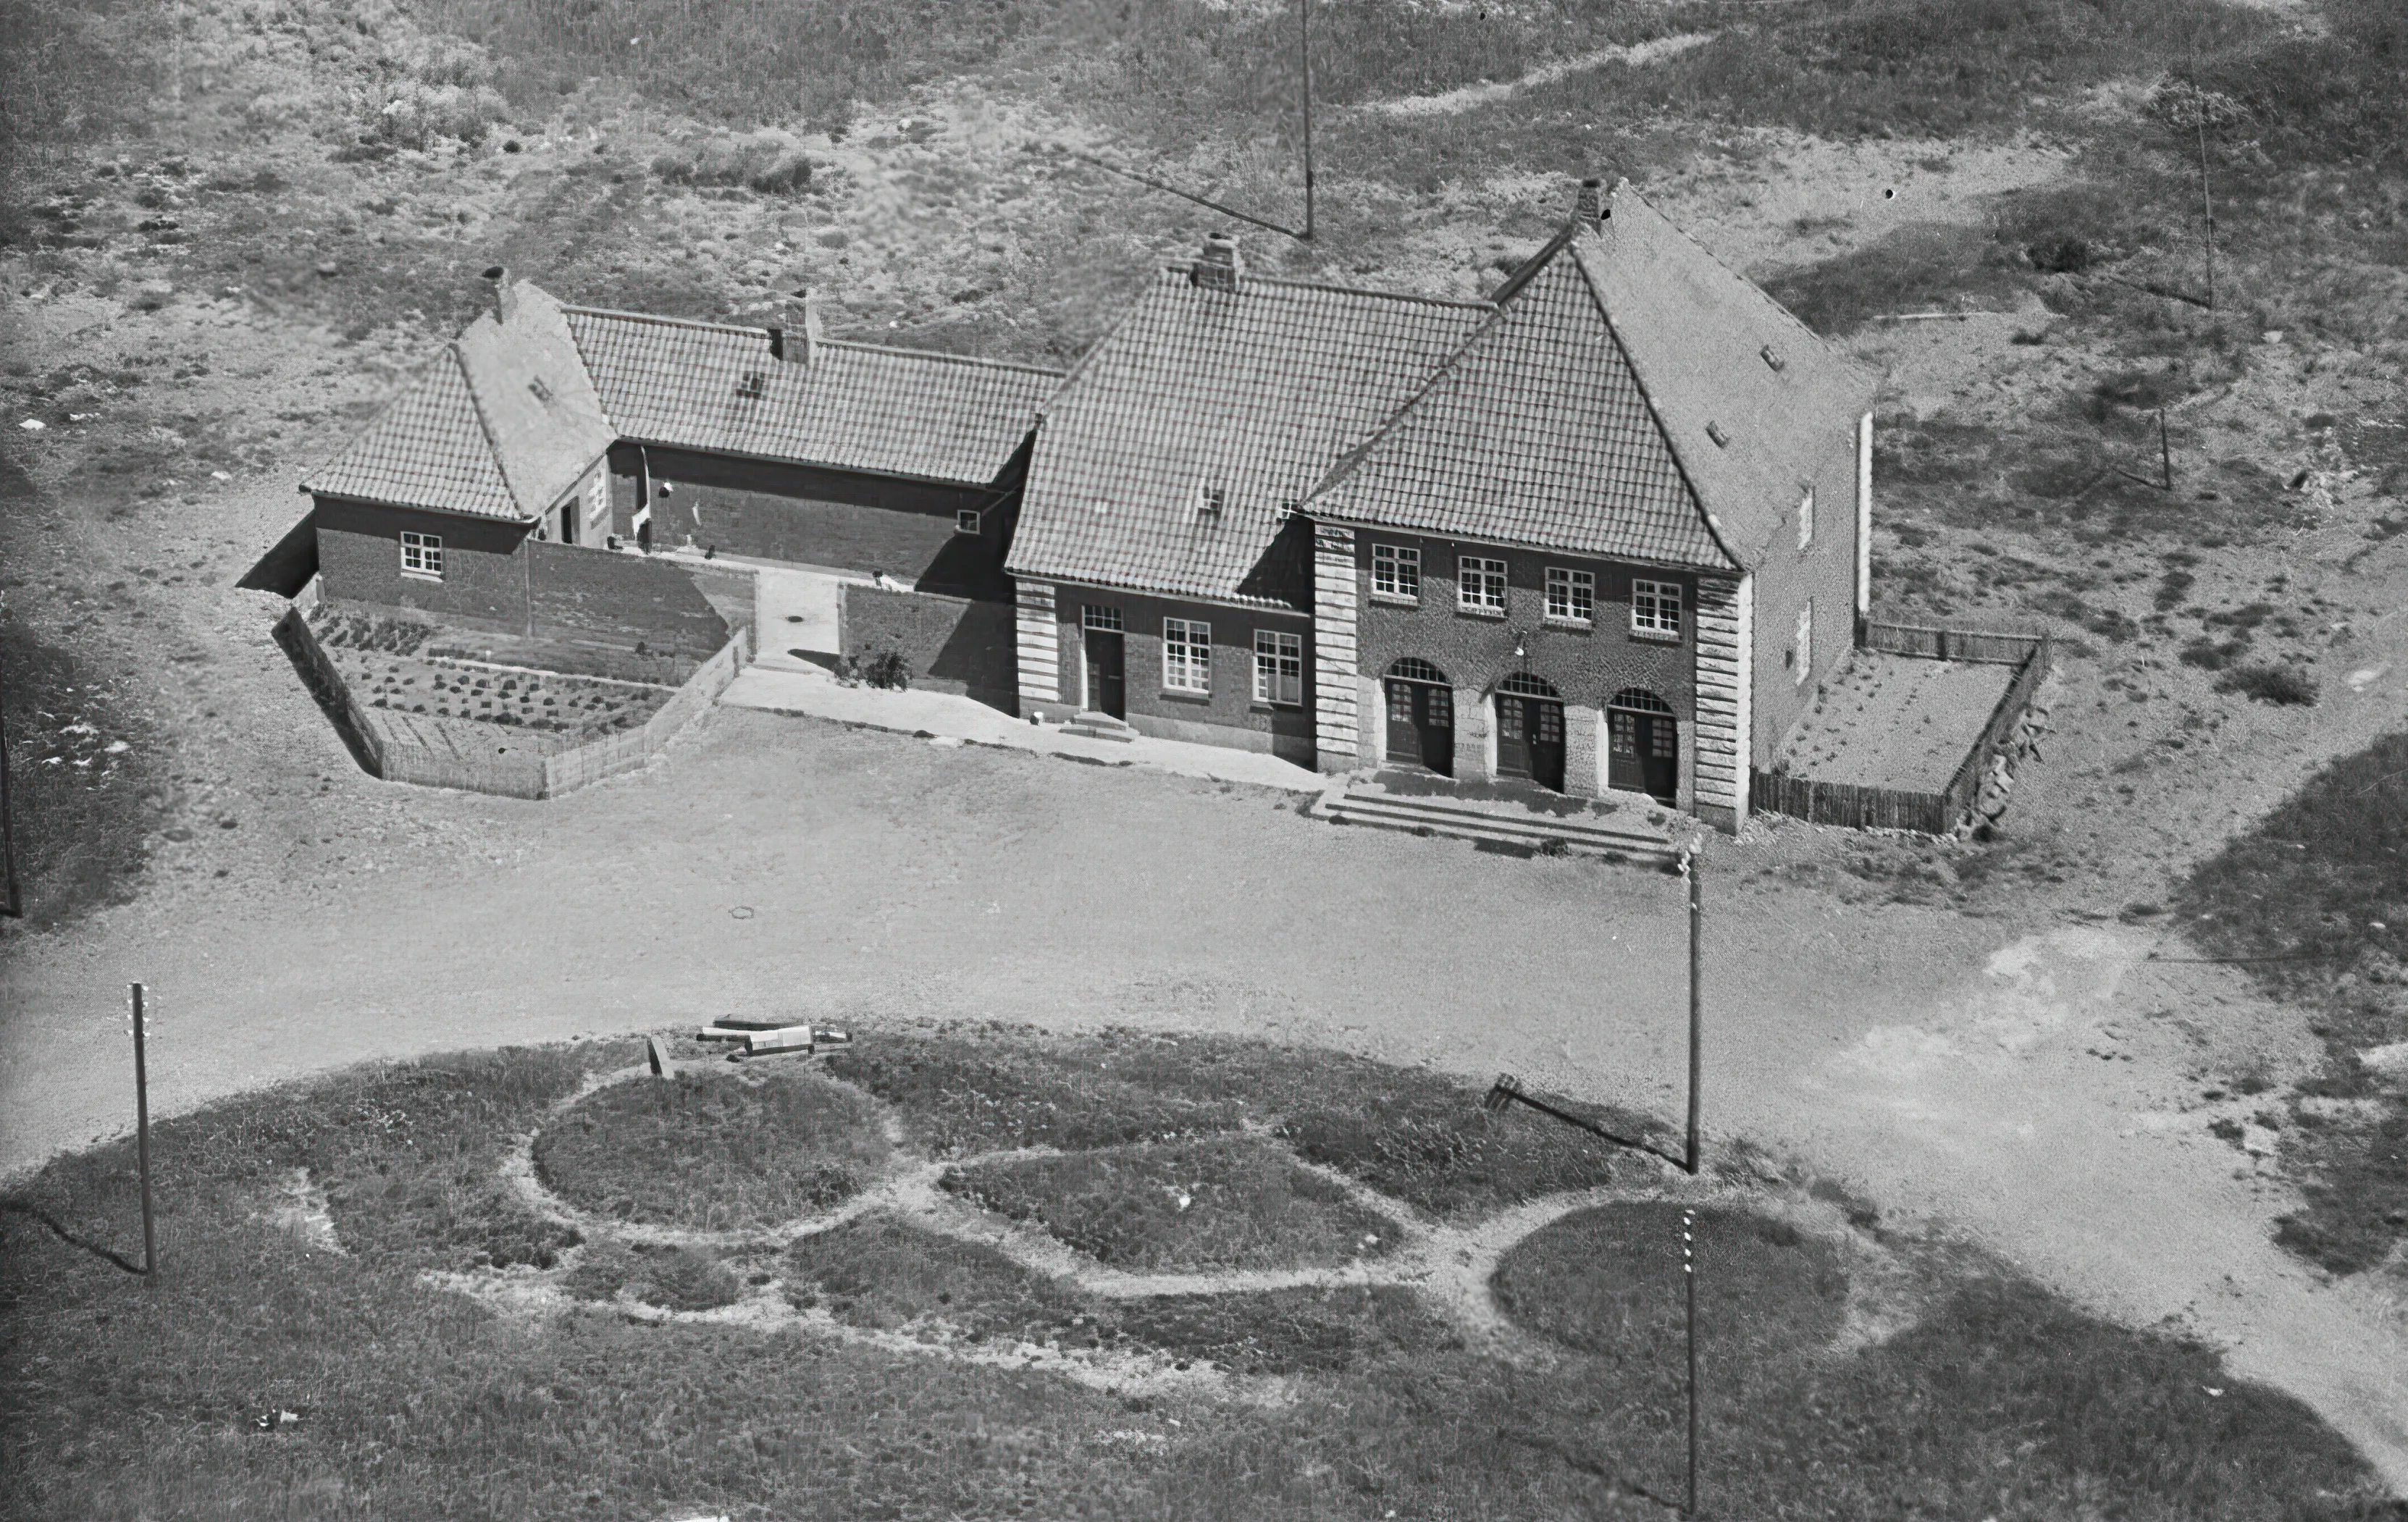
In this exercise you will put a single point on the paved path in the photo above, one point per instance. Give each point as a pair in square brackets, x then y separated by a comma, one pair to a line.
[1941, 1064]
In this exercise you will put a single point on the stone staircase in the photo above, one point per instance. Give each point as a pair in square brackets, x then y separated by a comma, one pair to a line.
[1504, 823]
[1098, 727]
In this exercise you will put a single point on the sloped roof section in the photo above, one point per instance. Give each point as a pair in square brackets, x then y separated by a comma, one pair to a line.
[852, 407]
[1536, 433]
[428, 448]
[1169, 460]
[1696, 333]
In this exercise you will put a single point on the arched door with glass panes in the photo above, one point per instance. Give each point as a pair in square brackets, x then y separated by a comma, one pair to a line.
[1643, 751]
[1530, 730]
[1421, 717]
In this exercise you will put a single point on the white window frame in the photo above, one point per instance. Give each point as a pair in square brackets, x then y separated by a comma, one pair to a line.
[1480, 586]
[1094, 616]
[1577, 600]
[1278, 668]
[966, 520]
[1806, 519]
[1656, 610]
[1400, 567]
[421, 556]
[1805, 649]
[1186, 655]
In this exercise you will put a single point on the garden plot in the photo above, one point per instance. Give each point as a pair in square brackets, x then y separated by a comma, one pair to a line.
[549, 711]
[1896, 721]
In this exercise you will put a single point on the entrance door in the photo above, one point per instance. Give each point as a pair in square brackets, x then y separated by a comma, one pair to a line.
[1643, 753]
[1106, 673]
[1421, 725]
[1530, 739]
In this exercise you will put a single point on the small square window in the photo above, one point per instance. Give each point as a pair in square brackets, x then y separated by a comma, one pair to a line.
[538, 391]
[1397, 573]
[421, 556]
[1105, 619]
[1656, 610]
[1805, 655]
[1186, 655]
[1279, 667]
[751, 386]
[1571, 595]
[966, 521]
[1209, 500]
[1806, 518]
[1482, 589]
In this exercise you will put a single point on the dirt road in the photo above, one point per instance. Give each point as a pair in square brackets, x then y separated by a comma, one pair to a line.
[1942, 1064]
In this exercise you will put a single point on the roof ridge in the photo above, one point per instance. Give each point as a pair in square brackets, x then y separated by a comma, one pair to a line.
[1417, 298]
[659, 319]
[1654, 414]
[485, 425]
[1353, 458]
[1530, 269]
[1791, 318]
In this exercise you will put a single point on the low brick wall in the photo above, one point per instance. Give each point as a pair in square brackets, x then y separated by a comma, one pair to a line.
[622, 598]
[953, 644]
[397, 758]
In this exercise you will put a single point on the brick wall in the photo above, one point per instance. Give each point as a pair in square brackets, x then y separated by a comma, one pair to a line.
[484, 572]
[622, 598]
[1786, 578]
[1228, 714]
[840, 520]
[953, 644]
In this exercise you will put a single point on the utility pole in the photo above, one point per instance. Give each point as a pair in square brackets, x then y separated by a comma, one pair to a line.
[1304, 66]
[10, 904]
[1689, 1287]
[142, 1138]
[1689, 869]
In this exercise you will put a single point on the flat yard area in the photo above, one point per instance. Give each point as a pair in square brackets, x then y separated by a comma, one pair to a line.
[1897, 721]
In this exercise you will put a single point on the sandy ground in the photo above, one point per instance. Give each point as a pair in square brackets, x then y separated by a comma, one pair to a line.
[1894, 720]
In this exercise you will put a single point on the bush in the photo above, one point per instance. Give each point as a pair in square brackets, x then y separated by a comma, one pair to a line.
[2060, 255]
[768, 163]
[2278, 685]
[888, 668]
[418, 115]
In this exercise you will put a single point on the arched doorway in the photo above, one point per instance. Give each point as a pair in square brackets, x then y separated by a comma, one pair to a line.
[1421, 717]
[1642, 751]
[1530, 730]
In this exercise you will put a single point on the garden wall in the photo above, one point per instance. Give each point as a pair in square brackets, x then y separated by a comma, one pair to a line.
[619, 598]
[953, 644]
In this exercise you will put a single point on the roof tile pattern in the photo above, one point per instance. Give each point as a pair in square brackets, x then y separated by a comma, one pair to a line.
[427, 450]
[1537, 433]
[854, 407]
[1250, 395]
[536, 401]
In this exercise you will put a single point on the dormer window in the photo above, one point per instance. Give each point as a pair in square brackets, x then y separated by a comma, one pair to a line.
[539, 390]
[1715, 432]
[750, 387]
[1209, 500]
[1772, 358]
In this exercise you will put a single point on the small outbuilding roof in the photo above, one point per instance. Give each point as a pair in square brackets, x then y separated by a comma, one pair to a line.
[1172, 458]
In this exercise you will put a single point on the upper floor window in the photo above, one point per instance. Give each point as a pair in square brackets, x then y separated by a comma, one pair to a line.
[966, 521]
[422, 555]
[1806, 518]
[1105, 619]
[1279, 667]
[1186, 655]
[1482, 589]
[1656, 609]
[1397, 573]
[1572, 596]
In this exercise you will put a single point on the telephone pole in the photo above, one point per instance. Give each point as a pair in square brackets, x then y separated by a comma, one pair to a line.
[142, 1138]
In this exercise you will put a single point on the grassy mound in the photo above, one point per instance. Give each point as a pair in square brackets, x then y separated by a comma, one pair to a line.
[1225, 1202]
[882, 1272]
[714, 1152]
[977, 1093]
[672, 1278]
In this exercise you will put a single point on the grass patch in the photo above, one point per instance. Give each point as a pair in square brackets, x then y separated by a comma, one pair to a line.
[882, 1272]
[672, 1278]
[1223, 1202]
[967, 1094]
[713, 1151]
[87, 779]
[1914, 269]
[2281, 685]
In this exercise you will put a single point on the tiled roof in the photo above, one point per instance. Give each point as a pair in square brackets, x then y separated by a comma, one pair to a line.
[1696, 333]
[426, 449]
[854, 407]
[1251, 394]
[1579, 418]
[1537, 433]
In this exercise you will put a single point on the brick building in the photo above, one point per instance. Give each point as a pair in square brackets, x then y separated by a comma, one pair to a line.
[1602, 531]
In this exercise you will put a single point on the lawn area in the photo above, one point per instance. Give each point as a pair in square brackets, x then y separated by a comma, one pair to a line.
[461, 1354]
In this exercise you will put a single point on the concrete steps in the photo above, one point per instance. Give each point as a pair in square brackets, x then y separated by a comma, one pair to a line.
[1099, 726]
[1588, 835]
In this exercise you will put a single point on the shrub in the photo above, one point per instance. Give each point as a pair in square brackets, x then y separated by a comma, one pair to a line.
[766, 163]
[2278, 685]
[888, 668]
[2060, 255]
[418, 115]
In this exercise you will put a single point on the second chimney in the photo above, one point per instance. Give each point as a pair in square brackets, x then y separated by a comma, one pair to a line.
[1219, 267]
[799, 335]
[505, 301]
[1589, 205]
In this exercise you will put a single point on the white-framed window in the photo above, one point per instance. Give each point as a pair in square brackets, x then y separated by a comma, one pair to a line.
[1656, 610]
[1186, 655]
[1107, 619]
[422, 555]
[966, 521]
[1397, 573]
[1572, 596]
[1806, 518]
[1482, 589]
[1279, 667]
[1805, 655]
[598, 499]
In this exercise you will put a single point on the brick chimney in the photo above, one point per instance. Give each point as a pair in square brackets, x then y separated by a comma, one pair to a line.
[505, 301]
[1588, 206]
[1219, 267]
[798, 334]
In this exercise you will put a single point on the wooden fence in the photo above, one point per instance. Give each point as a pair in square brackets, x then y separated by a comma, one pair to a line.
[398, 759]
[1859, 806]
